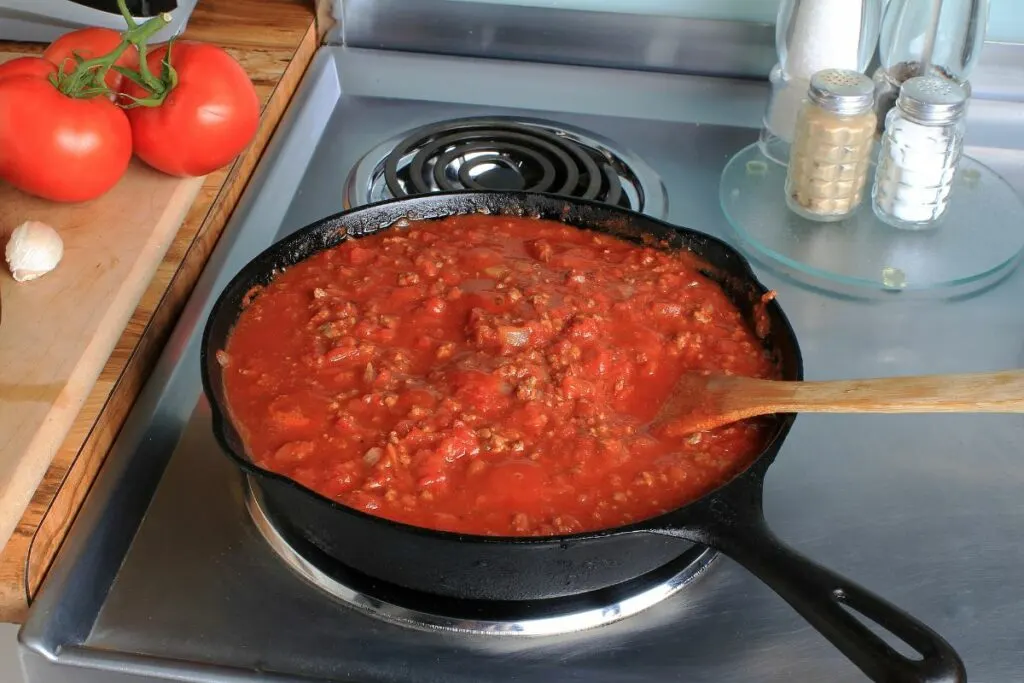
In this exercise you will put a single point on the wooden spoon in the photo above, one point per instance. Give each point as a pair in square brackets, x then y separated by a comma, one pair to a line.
[702, 402]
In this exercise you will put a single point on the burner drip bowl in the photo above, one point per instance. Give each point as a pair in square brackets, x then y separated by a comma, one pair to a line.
[413, 609]
[504, 154]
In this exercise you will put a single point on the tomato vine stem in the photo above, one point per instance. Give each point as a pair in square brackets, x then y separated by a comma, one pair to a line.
[88, 77]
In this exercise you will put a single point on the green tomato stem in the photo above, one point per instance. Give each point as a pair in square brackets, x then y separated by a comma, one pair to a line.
[167, 81]
[152, 83]
[156, 87]
[122, 5]
[88, 78]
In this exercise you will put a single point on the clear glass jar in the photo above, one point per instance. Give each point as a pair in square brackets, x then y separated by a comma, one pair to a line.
[919, 154]
[927, 38]
[812, 35]
[831, 153]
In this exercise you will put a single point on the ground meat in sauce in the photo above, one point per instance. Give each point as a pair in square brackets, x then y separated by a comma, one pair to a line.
[489, 375]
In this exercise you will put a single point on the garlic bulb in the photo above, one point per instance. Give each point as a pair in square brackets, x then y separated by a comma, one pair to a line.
[33, 250]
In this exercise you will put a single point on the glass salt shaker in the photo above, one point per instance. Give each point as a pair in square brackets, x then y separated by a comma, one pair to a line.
[811, 35]
[831, 152]
[920, 151]
[927, 38]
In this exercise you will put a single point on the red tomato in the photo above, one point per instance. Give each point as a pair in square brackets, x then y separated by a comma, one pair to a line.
[58, 147]
[26, 66]
[205, 121]
[90, 43]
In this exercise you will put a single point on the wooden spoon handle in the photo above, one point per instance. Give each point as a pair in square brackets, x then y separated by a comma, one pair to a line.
[983, 392]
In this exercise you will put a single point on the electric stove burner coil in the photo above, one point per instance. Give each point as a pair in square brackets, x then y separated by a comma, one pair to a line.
[504, 154]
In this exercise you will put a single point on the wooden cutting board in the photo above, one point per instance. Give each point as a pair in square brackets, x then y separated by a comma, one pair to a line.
[57, 332]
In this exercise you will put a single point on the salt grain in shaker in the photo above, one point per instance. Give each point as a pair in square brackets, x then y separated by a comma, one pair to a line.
[919, 154]
[811, 35]
[831, 152]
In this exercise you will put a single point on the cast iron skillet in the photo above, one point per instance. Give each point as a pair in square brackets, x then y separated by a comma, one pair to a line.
[519, 569]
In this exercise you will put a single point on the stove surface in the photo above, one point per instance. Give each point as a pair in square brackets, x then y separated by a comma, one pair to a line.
[924, 510]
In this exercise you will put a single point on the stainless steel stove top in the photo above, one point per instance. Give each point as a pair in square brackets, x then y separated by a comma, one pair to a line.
[165, 576]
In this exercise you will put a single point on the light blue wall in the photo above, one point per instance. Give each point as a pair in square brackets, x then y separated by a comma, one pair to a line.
[1006, 19]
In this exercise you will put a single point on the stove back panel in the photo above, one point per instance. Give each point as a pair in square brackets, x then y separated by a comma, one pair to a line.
[551, 33]
[657, 43]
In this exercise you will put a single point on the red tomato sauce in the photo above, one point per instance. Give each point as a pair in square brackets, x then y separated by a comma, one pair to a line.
[489, 375]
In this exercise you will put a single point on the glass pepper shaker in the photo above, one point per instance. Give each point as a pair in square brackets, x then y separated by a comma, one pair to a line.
[927, 38]
[919, 154]
[831, 152]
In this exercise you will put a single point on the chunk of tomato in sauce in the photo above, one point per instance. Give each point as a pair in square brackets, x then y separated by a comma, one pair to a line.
[480, 391]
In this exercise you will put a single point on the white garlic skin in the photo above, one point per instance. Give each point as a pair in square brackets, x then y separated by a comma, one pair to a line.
[33, 250]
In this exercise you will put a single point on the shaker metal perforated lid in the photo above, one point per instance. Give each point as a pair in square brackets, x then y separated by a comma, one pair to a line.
[931, 100]
[842, 91]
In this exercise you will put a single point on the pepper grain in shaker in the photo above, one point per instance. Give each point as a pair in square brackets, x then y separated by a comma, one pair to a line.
[831, 152]
[927, 38]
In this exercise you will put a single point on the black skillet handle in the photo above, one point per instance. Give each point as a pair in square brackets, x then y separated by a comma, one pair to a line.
[736, 526]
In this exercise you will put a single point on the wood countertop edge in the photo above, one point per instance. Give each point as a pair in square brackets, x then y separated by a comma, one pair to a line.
[30, 551]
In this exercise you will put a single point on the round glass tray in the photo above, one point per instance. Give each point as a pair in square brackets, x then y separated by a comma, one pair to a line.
[975, 243]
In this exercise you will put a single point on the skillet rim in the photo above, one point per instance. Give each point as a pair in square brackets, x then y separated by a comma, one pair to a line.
[219, 414]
